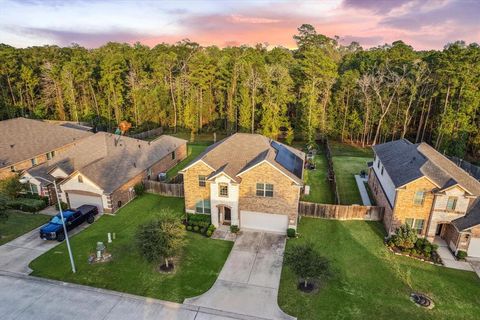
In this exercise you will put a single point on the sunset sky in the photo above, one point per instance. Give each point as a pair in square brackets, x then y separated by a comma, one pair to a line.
[425, 24]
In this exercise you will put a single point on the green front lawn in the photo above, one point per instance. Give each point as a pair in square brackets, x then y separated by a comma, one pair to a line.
[198, 269]
[193, 150]
[369, 282]
[320, 190]
[346, 168]
[19, 223]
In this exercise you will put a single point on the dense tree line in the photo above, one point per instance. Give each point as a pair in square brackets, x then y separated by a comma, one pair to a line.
[321, 89]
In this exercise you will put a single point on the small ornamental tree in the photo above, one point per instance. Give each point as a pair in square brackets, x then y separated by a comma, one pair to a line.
[11, 186]
[161, 238]
[405, 237]
[306, 263]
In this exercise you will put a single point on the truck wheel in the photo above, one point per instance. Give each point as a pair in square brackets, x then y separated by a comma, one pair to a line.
[60, 237]
[90, 219]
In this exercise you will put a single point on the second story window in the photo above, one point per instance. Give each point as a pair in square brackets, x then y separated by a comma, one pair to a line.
[452, 203]
[223, 190]
[49, 156]
[202, 181]
[80, 179]
[34, 161]
[12, 169]
[264, 190]
[382, 171]
[378, 164]
[419, 198]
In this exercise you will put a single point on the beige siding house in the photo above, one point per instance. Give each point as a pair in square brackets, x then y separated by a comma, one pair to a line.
[25, 143]
[103, 169]
[246, 180]
[419, 186]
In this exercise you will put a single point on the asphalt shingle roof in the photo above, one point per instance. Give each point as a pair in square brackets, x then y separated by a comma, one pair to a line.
[110, 164]
[22, 139]
[242, 151]
[406, 162]
[471, 219]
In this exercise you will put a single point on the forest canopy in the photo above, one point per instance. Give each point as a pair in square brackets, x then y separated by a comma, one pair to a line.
[321, 89]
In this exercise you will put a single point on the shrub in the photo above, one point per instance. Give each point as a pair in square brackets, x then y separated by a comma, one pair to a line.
[405, 237]
[194, 219]
[211, 228]
[291, 233]
[209, 233]
[234, 228]
[203, 230]
[139, 189]
[36, 196]
[161, 238]
[189, 228]
[196, 228]
[461, 255]
[64, 205]
[11, 186]
[306, 263]
[28, 205]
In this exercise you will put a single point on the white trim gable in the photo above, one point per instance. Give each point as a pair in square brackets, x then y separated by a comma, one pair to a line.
[194, 163]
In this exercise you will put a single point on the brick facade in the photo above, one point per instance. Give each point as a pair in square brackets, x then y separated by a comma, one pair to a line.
[380, 199]
[193, 192]
[286, 194]
[124, 194]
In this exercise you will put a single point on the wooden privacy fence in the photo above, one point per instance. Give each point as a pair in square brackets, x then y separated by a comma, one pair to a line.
[147, 134]
[340, 212]
[164, 189]
[331, 173]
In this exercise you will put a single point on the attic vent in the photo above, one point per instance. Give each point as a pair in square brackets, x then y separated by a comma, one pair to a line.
[12, 145]
[139, 146]
[134, 164]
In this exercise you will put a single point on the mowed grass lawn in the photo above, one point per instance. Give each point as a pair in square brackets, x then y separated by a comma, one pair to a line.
[200, 263]
[19, 223]
[369, 282]
[348, 161]
[193, 150]
[320, 190]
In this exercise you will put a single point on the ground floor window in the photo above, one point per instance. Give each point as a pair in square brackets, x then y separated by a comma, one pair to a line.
[415, 224]
[34, 188]
[203, 206]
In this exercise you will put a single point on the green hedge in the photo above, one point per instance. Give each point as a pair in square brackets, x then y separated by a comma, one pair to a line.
[27, 205]
[35, 196]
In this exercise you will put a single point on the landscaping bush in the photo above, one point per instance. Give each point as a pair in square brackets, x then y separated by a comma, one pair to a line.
[234, 228]
[27, 205]
[189, 228]
[199, 219]
[405, 237]
[64, 205]
[35, 196]
[209, 233]
[291, 233]
[461, 255]
[139, 189]
[196, 228]
[203, 230]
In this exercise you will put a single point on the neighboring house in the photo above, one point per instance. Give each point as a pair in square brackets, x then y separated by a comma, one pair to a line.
[103, 169]
[25, 143]
[246, 180]
[422, 188]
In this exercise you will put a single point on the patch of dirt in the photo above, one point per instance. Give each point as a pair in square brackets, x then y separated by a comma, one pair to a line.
[310, 288]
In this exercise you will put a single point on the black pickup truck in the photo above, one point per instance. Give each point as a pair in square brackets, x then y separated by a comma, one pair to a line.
[53, 230]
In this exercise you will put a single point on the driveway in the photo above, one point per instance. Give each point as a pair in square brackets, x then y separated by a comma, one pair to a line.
[248, 283]
[31, 298]
[16, 255]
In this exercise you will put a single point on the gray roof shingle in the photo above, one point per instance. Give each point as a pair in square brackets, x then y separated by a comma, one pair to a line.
[471, 219]
[107, 163]
[22, 139]
[406, 162]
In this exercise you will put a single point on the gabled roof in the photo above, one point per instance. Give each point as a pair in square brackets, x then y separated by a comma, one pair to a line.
[242, 151]
[471, 219]
[107, 162]
[22, 139]
[406, 162]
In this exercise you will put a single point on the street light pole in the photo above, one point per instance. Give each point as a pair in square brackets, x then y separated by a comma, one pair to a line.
[64, 228]
[61, 216]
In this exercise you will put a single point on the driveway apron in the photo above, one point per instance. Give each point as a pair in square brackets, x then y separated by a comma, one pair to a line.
[248, 283]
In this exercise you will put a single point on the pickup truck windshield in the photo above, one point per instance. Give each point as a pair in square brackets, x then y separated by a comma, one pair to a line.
[56, 220]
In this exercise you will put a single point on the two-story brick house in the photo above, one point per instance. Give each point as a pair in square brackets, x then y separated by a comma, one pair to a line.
[419, 186]
[246, 180]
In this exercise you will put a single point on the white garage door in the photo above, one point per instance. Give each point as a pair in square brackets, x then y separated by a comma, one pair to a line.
[264, 221]
[76, 200]
[474, 247]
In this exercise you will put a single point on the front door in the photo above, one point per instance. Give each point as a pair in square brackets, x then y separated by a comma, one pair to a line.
[439, 229]
[227, 215]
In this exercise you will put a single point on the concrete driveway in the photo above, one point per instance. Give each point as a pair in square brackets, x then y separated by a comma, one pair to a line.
[248, 283]
[31, 298]
[16, 255]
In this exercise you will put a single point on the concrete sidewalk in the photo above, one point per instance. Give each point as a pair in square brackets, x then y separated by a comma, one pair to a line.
[248, 283]
[363, 190]
[31, 298]
[448, 259]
